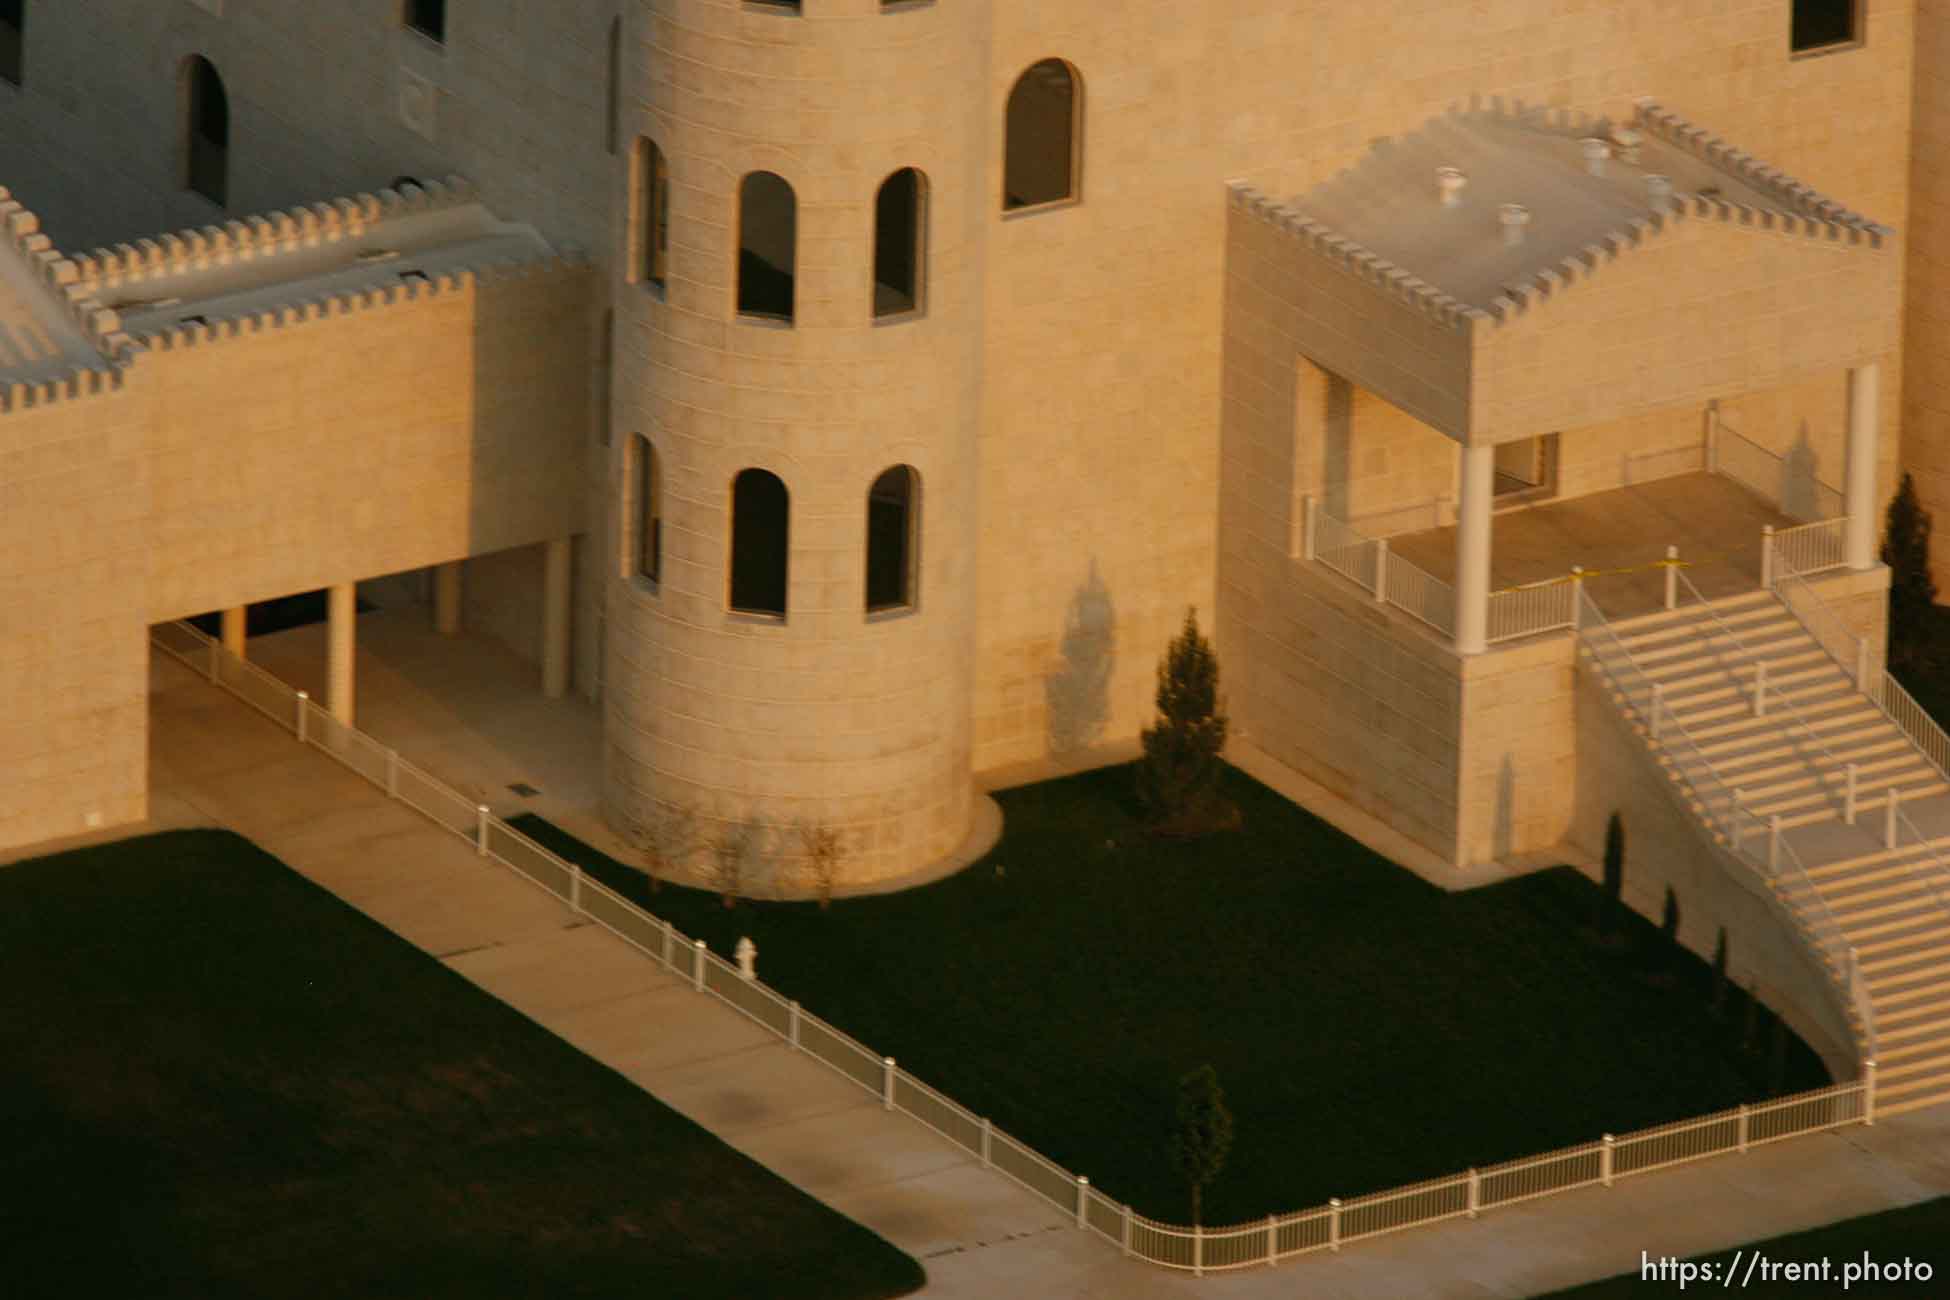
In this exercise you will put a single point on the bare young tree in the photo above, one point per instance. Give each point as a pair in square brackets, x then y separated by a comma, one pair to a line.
[735, 849]
[669, 841]
[823, 850]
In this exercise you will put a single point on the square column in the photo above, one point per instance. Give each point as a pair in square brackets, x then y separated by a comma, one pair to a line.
[555, 617]
[446, 598]
[233, 630]
[1859, 490]
[1473, 548]
[341, 608]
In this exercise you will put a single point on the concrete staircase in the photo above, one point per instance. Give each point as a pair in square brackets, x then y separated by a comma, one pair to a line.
[1891, 906]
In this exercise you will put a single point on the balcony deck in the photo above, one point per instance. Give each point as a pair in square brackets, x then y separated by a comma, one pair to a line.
[1714, 521]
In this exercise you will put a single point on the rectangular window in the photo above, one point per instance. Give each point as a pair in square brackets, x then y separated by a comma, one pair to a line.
[428, 17]
[13, 21]
[1824, 24]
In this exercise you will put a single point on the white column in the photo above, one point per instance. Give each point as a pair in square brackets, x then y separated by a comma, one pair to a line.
[341, 607]
[233, 630]
[1473, 548]
[446, 598]
[1864, 413]
[555, 618]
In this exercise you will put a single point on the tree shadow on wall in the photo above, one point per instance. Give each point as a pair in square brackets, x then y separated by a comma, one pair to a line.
[1076, 695]
[1800, 479]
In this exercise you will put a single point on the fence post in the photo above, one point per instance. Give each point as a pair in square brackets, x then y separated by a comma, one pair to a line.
[1733, 815]
[1658, 698]
[1083, 1200]
[1272, 1240]
[1475, 1193]
[886, 1083]
[1198, 1250]
[1767, 557]
[1604, 1159]
[1774, 844]
[1848, 801]
[1712, 437]
[1334, 1222]
[1577, 597]
[1743, 1128]
[304, 697]
[1672, 577]
[697, 966]
[1760, 688]
[670, 942]
[216, 649]
[575, 887]
[480, 829]
[792, 1023]
[1381, 570]
[1889, 819]
[1309, 515]
[988, 1146]
[1127, 1209]
[1869, 1091]
[392, 774]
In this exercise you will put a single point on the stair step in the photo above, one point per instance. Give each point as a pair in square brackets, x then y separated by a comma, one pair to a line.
[1886, 972]
[1790, 654]
[1912, 1069]
[1786, 758]
[1933, 946]
[1712, 648]
[1923, 1027]
[1929, 1010]
[1916, 907]
[1928, 1092]
[1925, 925]
[1899, 994]
[1819, 717]
[1908, 772]
[1785, 708]
[1723, 687]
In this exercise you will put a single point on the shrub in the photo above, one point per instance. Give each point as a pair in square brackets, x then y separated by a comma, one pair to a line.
[1178, 776]
[1912, 591]
[735, 847]
[1203, 1136]
[824, 851]
[668, 840]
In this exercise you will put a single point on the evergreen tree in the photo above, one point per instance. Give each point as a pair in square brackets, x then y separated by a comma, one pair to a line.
[1912, 591]
[1720, 973]
[1178, 778]
[1614, 900]
[1203, 1136]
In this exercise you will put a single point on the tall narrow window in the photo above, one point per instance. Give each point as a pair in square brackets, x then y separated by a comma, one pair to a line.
[206, 130]
[652, 212]
[759, 525]
[428, 17]
[767, 239]
[13, 23]
[891, 535]
[1823, 24]
[899, 243]
[605, 375]
[647, 490]
[1040, 153]
[614, 103]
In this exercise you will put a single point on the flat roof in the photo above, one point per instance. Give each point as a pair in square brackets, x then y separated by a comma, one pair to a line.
[1389, 202]
[41, 338]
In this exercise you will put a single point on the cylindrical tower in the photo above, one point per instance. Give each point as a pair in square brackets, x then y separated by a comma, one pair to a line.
[790, 627]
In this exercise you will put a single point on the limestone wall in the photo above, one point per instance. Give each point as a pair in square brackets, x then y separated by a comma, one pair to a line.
[1517, 738]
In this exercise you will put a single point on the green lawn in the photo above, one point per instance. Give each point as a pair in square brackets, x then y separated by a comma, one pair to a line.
[1368, 1028]
[1919, 1234]
[221, 1081]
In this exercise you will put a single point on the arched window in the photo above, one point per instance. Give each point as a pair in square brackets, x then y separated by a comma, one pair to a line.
[651, 224]
[206, 130]
[13, 26]
[401, 182]
[899, 243]
[428, 17]
[646, 509]
[891, 535]
[767, 239]
[1040, 150]
[760, 521]
[613, 105]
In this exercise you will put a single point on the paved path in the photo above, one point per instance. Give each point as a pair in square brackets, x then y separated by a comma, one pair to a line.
[215, 761]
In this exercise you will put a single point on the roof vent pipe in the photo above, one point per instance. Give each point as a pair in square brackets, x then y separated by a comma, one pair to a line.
[1596, 151]
[1449, 182]
[1514, 216]
[1659, 188]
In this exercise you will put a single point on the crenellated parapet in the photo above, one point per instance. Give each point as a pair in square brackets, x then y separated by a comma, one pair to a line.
[61, 279]
[78, 384]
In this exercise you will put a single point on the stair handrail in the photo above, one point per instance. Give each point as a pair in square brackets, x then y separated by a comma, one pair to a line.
[1664, 729]
[1824, 930]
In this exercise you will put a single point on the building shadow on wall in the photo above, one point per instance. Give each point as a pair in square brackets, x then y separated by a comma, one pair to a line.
[1076, 694]
[1337, 452]
[1800, 479]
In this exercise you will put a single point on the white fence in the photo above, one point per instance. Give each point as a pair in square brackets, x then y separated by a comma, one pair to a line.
[1538, 607]
[1197, 1249]
[1788, 481]
[1810, 548]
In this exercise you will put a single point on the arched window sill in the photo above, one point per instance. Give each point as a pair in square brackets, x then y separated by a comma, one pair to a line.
[1037, 209]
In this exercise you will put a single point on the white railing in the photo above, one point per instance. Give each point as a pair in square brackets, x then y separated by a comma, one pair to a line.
[1788, 484]
[1413, 591]
[1536, 607]
[1922, 729]
[1437, 512]
[1196, 1249]
[1341, 547]
[1809, 548]
[1367, 563]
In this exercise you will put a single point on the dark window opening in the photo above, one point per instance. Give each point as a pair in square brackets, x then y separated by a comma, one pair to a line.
[890, 540]
[759, 525]
[767, 240]
[899, 245]
[649, 510]
[1040, 145]
[207, 124]
[428, 17]
[652, 203]
[13, 23]
[1818, 24]
[413, 273]
[401, 182]
[605, 376]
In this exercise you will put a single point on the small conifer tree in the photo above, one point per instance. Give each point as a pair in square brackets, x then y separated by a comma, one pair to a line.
[1720, 973]
[1178, 778]
[1614, 899]
[1912, 591]
[1669, 921]
[1203, 1136]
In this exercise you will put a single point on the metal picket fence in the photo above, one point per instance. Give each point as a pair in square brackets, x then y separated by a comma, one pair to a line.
[1195, 1249]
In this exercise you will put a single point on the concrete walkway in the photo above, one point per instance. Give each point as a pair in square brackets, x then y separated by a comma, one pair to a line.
[214, 761]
